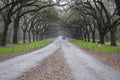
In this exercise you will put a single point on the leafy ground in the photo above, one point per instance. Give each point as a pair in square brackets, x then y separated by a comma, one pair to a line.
[24, 47]
[53, 67]
[94, 46]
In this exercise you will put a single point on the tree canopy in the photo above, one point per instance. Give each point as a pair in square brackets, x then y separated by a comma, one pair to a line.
[40, 19]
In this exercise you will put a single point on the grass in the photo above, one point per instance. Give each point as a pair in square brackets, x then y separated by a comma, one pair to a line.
[25, 47]
[94, 46]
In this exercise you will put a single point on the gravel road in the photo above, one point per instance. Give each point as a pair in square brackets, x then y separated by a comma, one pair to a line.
[54, 67]
[85, 67]
[12, 68]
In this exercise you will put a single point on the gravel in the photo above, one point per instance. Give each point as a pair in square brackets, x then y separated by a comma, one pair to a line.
[86, 67]
[44, 64]
[52, 68]
[111, 59]
[15, 67]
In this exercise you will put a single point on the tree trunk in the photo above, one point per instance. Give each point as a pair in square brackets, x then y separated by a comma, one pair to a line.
[36, 37]
[29, 36]
[107, 38]
[118, 6]
[24, 36]
[39, 36]
[102, 38]
[85, 36]
[33, 36]
[4, 35]
[88, 35]
[93, 37]
[15, 33]
[42, 36]
[113, 37]
[82, 37]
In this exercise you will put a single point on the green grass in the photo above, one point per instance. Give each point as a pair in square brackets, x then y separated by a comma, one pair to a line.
[94, 46]
[25, 47]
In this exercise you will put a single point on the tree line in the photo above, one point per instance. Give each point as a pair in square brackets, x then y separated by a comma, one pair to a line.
[88, 17]
[33, 17]
[39, 19]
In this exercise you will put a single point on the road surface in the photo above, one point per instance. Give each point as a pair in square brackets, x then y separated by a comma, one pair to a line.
[11, 69]
[84, 67]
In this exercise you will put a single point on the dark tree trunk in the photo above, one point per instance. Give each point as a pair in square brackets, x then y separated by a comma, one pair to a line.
[15, 33]
[118, 6]
[4, 35]
[113, 37]
[93, 37]
[42, 36]
[85, 37]
[39, 37]
[24, 36]
[107, 38]
[88, 37]
[33, 36]
[29, 36]
[102, 36]
[36, 37]
[82, 38]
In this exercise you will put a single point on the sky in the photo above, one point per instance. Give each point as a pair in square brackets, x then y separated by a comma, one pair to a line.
[54, 0]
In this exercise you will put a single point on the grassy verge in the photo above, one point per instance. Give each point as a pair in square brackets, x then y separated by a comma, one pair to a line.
[25, 47]
[94, 46]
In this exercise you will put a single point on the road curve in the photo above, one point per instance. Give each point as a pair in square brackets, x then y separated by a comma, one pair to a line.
[85, 67]
[12, 68]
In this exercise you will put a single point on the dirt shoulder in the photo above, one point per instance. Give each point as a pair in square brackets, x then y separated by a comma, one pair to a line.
[111, 59]
[54, 67]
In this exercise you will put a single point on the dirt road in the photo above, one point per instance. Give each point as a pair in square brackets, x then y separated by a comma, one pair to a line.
[12, 68]
[83, 66]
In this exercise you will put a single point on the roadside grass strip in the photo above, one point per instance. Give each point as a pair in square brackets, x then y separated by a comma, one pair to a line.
[25, 47]
[94, 46]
